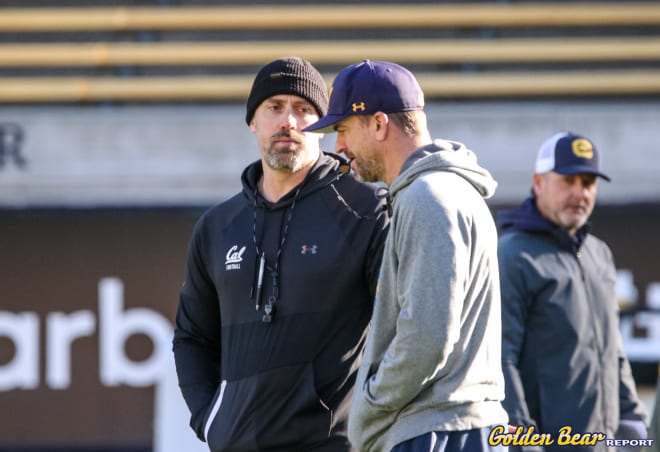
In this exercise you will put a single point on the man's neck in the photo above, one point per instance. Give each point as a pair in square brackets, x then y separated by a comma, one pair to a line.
[399, 152]
[275, 184]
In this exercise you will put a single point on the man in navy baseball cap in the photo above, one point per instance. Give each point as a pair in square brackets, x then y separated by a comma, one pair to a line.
[368, 87]
[426, 377]
[555, 278]
[567, 153]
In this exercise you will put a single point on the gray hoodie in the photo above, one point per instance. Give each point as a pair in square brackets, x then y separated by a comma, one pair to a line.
[432, 359]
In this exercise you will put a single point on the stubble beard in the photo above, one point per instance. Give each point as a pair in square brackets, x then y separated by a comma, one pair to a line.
[292, 160]
[291, 157]
[369, 170]
[574, 222]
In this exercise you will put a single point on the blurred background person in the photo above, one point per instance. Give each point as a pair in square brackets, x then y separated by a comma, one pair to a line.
[563, 360]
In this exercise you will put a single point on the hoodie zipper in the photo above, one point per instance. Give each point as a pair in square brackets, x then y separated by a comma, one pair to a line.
[598, 332]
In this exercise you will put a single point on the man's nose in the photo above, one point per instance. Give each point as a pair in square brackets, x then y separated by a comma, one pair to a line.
[289, 120]
[579, 188]
[340, 146]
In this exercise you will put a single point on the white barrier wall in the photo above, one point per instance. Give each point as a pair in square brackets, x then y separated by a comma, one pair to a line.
[88, 303]
[193, 155]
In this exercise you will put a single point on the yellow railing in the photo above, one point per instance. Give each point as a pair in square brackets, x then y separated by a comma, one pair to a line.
[331, 52]
[217, 88]
[330, 16]
[636, 79]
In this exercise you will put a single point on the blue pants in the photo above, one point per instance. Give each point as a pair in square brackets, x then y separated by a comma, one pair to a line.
[475, 440]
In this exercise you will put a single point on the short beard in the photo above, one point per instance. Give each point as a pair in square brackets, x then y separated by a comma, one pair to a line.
[573, 224]
[292, 162]
[370, 171]
[292, 159]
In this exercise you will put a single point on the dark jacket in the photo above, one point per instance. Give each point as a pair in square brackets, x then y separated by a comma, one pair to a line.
[283, 385]
[562, 354]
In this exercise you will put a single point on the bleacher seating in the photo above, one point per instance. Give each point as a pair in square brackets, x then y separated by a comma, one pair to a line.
[210, 53]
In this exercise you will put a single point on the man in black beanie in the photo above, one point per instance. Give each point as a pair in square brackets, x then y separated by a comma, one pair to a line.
[279, 284]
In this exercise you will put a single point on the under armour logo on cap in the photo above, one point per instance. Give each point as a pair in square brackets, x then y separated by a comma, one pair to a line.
[359, 106]
[369, 87]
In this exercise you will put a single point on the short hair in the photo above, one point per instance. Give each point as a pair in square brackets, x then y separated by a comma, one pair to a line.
[411, 123]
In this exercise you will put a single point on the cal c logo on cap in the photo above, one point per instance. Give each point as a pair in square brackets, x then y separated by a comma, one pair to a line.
[582, 148]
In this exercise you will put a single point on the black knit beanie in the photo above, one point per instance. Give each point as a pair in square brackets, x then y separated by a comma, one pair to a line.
[288, 75]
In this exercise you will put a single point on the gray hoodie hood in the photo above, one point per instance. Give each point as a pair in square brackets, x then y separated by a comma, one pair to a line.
[445, 155]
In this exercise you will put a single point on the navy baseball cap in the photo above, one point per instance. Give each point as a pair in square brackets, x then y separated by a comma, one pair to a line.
[568, 153]
[368, 87]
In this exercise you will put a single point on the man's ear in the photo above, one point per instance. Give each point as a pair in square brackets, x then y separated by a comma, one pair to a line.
[253, 126]
[537, 179]
[381, 123]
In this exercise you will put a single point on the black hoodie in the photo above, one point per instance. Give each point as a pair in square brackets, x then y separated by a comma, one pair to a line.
[283, 384]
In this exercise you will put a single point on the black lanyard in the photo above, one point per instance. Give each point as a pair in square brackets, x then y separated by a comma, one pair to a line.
[269, 308]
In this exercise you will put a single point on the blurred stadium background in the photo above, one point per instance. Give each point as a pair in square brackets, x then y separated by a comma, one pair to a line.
[121, 121]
